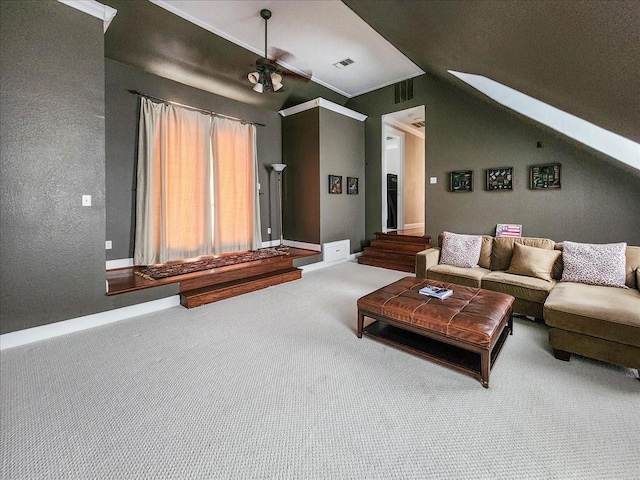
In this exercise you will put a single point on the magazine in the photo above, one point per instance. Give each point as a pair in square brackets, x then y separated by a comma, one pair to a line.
[436, 292]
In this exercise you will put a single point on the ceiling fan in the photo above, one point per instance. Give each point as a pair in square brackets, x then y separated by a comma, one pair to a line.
[267, 76]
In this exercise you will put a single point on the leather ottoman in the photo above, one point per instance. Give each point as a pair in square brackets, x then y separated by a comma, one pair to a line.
[464, 331]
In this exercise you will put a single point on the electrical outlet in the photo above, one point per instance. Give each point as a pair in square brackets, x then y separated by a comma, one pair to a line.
[433, 180]
[86, 200]
[108, 245]
[269, 230]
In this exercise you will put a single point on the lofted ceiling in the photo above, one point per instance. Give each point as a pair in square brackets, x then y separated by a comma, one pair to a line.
[317, 36]
[581, 56]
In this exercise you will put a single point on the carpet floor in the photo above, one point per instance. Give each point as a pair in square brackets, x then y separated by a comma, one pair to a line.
[275, 384]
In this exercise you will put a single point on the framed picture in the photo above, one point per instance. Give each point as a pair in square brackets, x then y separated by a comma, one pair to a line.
[461, 181]
[545, 176]
[352, 185]
[335, 183]
[499, 179]
[508, 230]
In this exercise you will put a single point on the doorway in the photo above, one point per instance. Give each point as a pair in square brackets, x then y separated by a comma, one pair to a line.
[403, 170]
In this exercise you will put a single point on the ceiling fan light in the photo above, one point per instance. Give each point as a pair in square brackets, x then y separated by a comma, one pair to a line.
[258, 88]
[276, 80]
[254, 77]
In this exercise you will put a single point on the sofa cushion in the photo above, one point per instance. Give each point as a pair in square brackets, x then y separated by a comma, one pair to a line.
[485, 250]
[609, 313]
[527, 288]
[533, 261]
[502, 249]
[633, 267]
[594, 264]
[470, 277]
[460, 250]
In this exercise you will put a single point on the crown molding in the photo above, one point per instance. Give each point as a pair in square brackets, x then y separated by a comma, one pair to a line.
[321, 102]
[93, 8]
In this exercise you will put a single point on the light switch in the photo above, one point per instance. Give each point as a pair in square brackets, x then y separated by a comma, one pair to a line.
[86, 200]
[108, 245]
[433, 180]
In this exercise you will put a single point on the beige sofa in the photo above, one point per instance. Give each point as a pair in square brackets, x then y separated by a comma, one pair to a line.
[593, 321]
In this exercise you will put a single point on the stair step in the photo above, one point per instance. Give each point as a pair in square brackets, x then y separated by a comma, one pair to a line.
[237, 272]
[383, 263]
[390, 254]
[399, 246]
[399, 238]
[213, 293]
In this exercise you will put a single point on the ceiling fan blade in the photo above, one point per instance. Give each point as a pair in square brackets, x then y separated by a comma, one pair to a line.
[279, 55]
[303, 76]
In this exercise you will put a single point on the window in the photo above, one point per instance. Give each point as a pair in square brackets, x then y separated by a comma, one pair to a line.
[197, 180]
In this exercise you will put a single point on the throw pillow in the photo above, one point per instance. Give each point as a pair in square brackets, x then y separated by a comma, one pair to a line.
[594, 264]
[532, 261]
[460, 250]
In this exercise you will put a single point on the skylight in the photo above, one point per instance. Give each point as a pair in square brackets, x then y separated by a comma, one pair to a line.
[607, 142]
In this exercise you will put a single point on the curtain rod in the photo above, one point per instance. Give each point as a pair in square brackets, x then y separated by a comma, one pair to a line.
[135, 92]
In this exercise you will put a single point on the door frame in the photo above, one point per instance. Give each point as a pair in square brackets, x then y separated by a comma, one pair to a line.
[388, 129]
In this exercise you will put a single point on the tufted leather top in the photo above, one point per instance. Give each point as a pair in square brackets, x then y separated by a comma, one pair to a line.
[471, 314]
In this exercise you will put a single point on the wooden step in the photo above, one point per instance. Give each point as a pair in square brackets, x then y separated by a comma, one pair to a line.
[388, 254]
[237, 272]
[220, 291]
[400, 238]
[398, 246]
[386, 263]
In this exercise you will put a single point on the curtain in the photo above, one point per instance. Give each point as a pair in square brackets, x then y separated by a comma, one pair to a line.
[236, 214]
[196, 185]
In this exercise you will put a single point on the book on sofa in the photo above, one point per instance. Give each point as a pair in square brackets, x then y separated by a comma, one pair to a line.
[436, 292]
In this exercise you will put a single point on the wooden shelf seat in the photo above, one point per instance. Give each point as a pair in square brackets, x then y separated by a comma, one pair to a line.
[215, 284]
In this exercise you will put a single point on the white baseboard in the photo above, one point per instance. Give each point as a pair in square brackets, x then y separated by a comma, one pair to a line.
[272, 243]
[121, 263]
[303, 245]
[43, 332]
[312, 266]
[318, 265]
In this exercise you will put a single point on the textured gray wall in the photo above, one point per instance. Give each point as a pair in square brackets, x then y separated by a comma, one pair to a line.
[341, 153]
[122, 112]
[301, 192]
[598, 201]
[316, 143]
[52, 152]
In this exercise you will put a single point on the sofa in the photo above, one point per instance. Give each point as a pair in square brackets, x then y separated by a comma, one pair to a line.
[600, 322]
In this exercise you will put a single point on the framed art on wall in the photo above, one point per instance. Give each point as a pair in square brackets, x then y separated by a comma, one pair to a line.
[352, 185]
[461, 181]
[499, 179]
[335, 183]
[545, 176]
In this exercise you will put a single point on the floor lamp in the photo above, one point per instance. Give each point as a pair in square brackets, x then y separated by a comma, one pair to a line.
[279, 167]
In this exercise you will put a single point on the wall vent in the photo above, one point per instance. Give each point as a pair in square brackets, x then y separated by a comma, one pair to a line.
[404, 91]
[343, 63]
[419, 124]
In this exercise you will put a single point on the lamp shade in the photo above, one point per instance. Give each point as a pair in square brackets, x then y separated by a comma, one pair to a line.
[258, 88]
[278, 167]
[254, 77]
[276, 81]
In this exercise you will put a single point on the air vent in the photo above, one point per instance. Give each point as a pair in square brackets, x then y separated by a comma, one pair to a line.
[343, 63]
[419, 124]
[404, 91]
